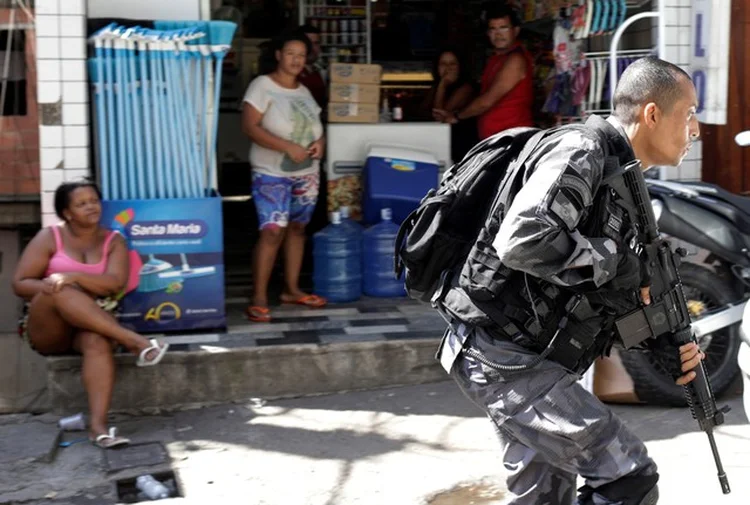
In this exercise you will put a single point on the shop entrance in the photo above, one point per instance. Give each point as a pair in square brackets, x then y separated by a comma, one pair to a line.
[404, 38]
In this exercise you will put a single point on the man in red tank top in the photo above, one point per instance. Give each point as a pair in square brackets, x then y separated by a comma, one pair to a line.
[506, 94]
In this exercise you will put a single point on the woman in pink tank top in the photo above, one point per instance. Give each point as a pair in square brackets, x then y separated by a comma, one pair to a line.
[71, 276]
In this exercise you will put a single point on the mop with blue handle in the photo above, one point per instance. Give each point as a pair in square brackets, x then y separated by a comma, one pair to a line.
[165, 169]
[103, 44]
[199, 52]
[166, 31]
[181, 96]
[220, 34]
[112, 136]
[117, 86]
[134, 92]
[152, 54]
[147, 110]
[188, 113]
[96, 74]
[205, 134]
[174, 115]
[123, 89]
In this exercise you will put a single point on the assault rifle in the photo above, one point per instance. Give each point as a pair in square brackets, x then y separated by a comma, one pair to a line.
[667, 315]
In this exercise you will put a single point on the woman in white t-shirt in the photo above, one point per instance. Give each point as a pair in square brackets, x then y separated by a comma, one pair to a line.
[282, 120]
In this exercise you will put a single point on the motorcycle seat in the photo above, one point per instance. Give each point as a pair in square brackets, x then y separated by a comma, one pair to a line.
[739, 201]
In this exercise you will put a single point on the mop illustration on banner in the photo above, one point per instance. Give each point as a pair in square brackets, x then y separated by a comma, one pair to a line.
[187, 272]
[151, 279]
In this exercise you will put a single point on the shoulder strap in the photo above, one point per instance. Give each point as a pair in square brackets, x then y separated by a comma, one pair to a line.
[58, 239]
[107, 241]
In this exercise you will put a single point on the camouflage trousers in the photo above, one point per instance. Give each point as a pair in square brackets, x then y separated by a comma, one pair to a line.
[551, 429]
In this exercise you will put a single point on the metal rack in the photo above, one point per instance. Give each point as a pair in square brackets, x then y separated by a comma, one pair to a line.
[346, 28]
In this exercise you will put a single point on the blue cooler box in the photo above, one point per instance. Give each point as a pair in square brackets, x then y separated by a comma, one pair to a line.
[396, 178]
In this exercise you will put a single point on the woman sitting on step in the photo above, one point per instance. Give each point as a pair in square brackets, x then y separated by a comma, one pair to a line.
[71, 276]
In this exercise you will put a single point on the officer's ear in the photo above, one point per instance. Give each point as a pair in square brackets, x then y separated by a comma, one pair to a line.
[650, 115]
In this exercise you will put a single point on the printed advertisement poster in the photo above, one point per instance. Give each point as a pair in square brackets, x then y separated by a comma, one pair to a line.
[178, 259]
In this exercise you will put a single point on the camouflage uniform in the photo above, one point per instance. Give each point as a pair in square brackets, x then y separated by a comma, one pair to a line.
[551, 428]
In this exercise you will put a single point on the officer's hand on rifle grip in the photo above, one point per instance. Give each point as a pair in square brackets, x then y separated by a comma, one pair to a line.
[646, 295]
[690, 357]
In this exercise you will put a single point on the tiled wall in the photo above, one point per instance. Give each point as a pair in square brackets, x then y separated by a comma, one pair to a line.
[63, 96]
[19, 135]
[677, 16]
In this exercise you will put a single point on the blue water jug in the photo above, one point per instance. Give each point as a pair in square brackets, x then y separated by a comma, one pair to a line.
[378, 244]
[350, 223]
[337, 262]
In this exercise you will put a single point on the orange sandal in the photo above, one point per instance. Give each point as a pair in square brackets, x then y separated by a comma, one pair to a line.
[258, 314]
[312, 301]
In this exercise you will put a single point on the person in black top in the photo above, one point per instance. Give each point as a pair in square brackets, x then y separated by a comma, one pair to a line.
[452, 90]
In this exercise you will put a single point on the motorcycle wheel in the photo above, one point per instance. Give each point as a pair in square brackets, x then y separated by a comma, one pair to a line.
[704, 291]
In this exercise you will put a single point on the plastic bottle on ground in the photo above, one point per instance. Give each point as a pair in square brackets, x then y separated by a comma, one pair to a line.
[151, 487]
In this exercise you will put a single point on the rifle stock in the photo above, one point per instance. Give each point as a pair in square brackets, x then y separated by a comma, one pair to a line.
[667, 314]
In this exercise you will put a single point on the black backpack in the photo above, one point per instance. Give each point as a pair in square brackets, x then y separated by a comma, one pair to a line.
[434, 241]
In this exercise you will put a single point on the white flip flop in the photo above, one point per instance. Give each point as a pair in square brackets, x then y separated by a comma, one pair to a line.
[142, 361]
[110, 440]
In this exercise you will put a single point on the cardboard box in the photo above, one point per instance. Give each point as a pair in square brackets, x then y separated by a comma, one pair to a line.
[355, 73]
[353, 112]
[356, 93]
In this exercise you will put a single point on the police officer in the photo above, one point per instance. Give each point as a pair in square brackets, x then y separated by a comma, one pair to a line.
[551, 429]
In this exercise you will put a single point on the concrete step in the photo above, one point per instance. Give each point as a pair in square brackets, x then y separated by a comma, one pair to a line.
[193, 378]
[369, 344]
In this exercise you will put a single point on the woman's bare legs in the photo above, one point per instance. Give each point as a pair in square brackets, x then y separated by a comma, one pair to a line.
[52, 318]
[98, 377]
[266, 250]
[294, 252]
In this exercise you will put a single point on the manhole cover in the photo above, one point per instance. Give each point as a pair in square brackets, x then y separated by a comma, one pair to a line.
[477, 493]
[135, 455]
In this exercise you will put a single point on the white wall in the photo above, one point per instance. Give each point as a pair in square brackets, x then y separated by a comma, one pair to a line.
[145, 9]
[62, 93]
[678, 26]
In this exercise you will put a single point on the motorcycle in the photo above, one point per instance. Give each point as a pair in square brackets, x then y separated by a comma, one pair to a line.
[714, 226]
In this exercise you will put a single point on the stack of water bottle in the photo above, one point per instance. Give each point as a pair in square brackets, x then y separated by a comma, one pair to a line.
[349, 260]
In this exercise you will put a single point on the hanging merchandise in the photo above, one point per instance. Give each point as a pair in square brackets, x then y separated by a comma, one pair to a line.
[581, 84]
[156, 98]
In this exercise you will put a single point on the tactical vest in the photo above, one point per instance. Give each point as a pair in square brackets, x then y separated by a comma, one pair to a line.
[512, 305]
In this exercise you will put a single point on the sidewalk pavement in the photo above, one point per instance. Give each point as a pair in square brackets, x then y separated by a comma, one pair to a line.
[399, 446]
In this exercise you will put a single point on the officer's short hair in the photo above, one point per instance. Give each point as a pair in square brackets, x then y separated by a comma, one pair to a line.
[647, 80]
